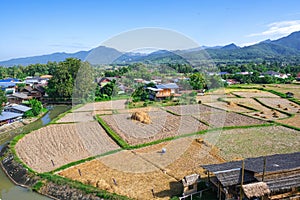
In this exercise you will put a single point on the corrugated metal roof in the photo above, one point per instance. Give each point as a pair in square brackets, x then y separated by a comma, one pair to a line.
[167, 86]
[9, 115]
[19, 108]
[274, 163]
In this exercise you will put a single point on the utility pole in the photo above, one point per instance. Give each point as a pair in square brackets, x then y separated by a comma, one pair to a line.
[242, 181]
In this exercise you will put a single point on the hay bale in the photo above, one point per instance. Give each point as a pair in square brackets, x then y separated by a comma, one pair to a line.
[285, 109]
[256, 114]
[262, 112]
[279, 106]
[141, 116]
[230, 103]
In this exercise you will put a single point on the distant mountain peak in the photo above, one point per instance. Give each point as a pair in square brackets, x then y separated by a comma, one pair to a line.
[231, 46]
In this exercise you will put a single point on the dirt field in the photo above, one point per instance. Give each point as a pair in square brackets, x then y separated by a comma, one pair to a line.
[63, 144]
[292, 121]
[137, 176]
[254, 142]
[228, 119]
[163, 125]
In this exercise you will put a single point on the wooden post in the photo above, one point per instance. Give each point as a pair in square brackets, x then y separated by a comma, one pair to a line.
[220, 192]
[242, 181]
[264, 169]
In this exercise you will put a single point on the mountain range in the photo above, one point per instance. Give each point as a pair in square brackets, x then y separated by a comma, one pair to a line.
[286, 49]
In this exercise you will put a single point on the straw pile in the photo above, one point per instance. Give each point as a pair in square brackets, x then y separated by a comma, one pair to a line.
[258, 189]
[141, 117]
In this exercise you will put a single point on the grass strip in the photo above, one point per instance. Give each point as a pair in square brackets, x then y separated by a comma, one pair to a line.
[112, 134]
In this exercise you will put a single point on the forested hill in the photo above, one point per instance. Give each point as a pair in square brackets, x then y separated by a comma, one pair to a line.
[286, 49]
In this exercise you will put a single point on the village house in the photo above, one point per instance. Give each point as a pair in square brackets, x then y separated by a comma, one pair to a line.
[18, 98]
[163, 91]
[265, 178]
[104, 80]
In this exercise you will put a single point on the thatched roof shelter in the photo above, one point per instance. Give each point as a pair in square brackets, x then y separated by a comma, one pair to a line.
[258, 189]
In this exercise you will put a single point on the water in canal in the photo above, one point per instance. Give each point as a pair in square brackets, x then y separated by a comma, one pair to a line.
[9, 191]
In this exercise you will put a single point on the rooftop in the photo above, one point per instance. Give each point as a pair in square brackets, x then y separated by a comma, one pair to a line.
[9, 115]
[277, 162]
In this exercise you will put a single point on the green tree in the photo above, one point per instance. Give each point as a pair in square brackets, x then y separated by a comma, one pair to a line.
[197, 81]
[64, 75]
[36, 108]
[84, 85]
[3, 100]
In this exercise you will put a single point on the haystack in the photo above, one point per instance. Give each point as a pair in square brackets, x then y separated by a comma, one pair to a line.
[230, 103]
[141, 116]
[258, 189]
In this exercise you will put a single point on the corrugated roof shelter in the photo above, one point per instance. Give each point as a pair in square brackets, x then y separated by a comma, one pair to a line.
[17, 108]
[277, 162]
[167, 86]
[9, 115]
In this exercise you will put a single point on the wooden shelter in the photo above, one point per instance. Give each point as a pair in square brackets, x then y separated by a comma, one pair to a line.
[259, 189]
[273, 177]
[190, 184]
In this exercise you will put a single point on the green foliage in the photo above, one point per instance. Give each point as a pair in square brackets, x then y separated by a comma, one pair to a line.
[106, 92]
[84, 85]
[37, 186]
[140, 93]
[3, 100]
[197, 81]
[64, 76]
[36, 108]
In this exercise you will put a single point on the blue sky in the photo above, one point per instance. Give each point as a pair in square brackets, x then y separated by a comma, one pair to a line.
[37, 27]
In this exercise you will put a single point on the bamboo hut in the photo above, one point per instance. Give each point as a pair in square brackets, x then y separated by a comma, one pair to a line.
[280, 173]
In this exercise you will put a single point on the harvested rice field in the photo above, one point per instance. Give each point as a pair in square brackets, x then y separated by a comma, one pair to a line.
[228, 106]
[259, 141]
[163, 125]
[55, 145]
[248, 102]
[254, 94]
[76, 117]
[192, 109]
[136, 175]
[284, 88]
[281, 104]
[226, 119]
[106, 105]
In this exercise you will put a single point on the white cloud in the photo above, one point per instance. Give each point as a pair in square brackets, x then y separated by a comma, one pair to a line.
[279, 29]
